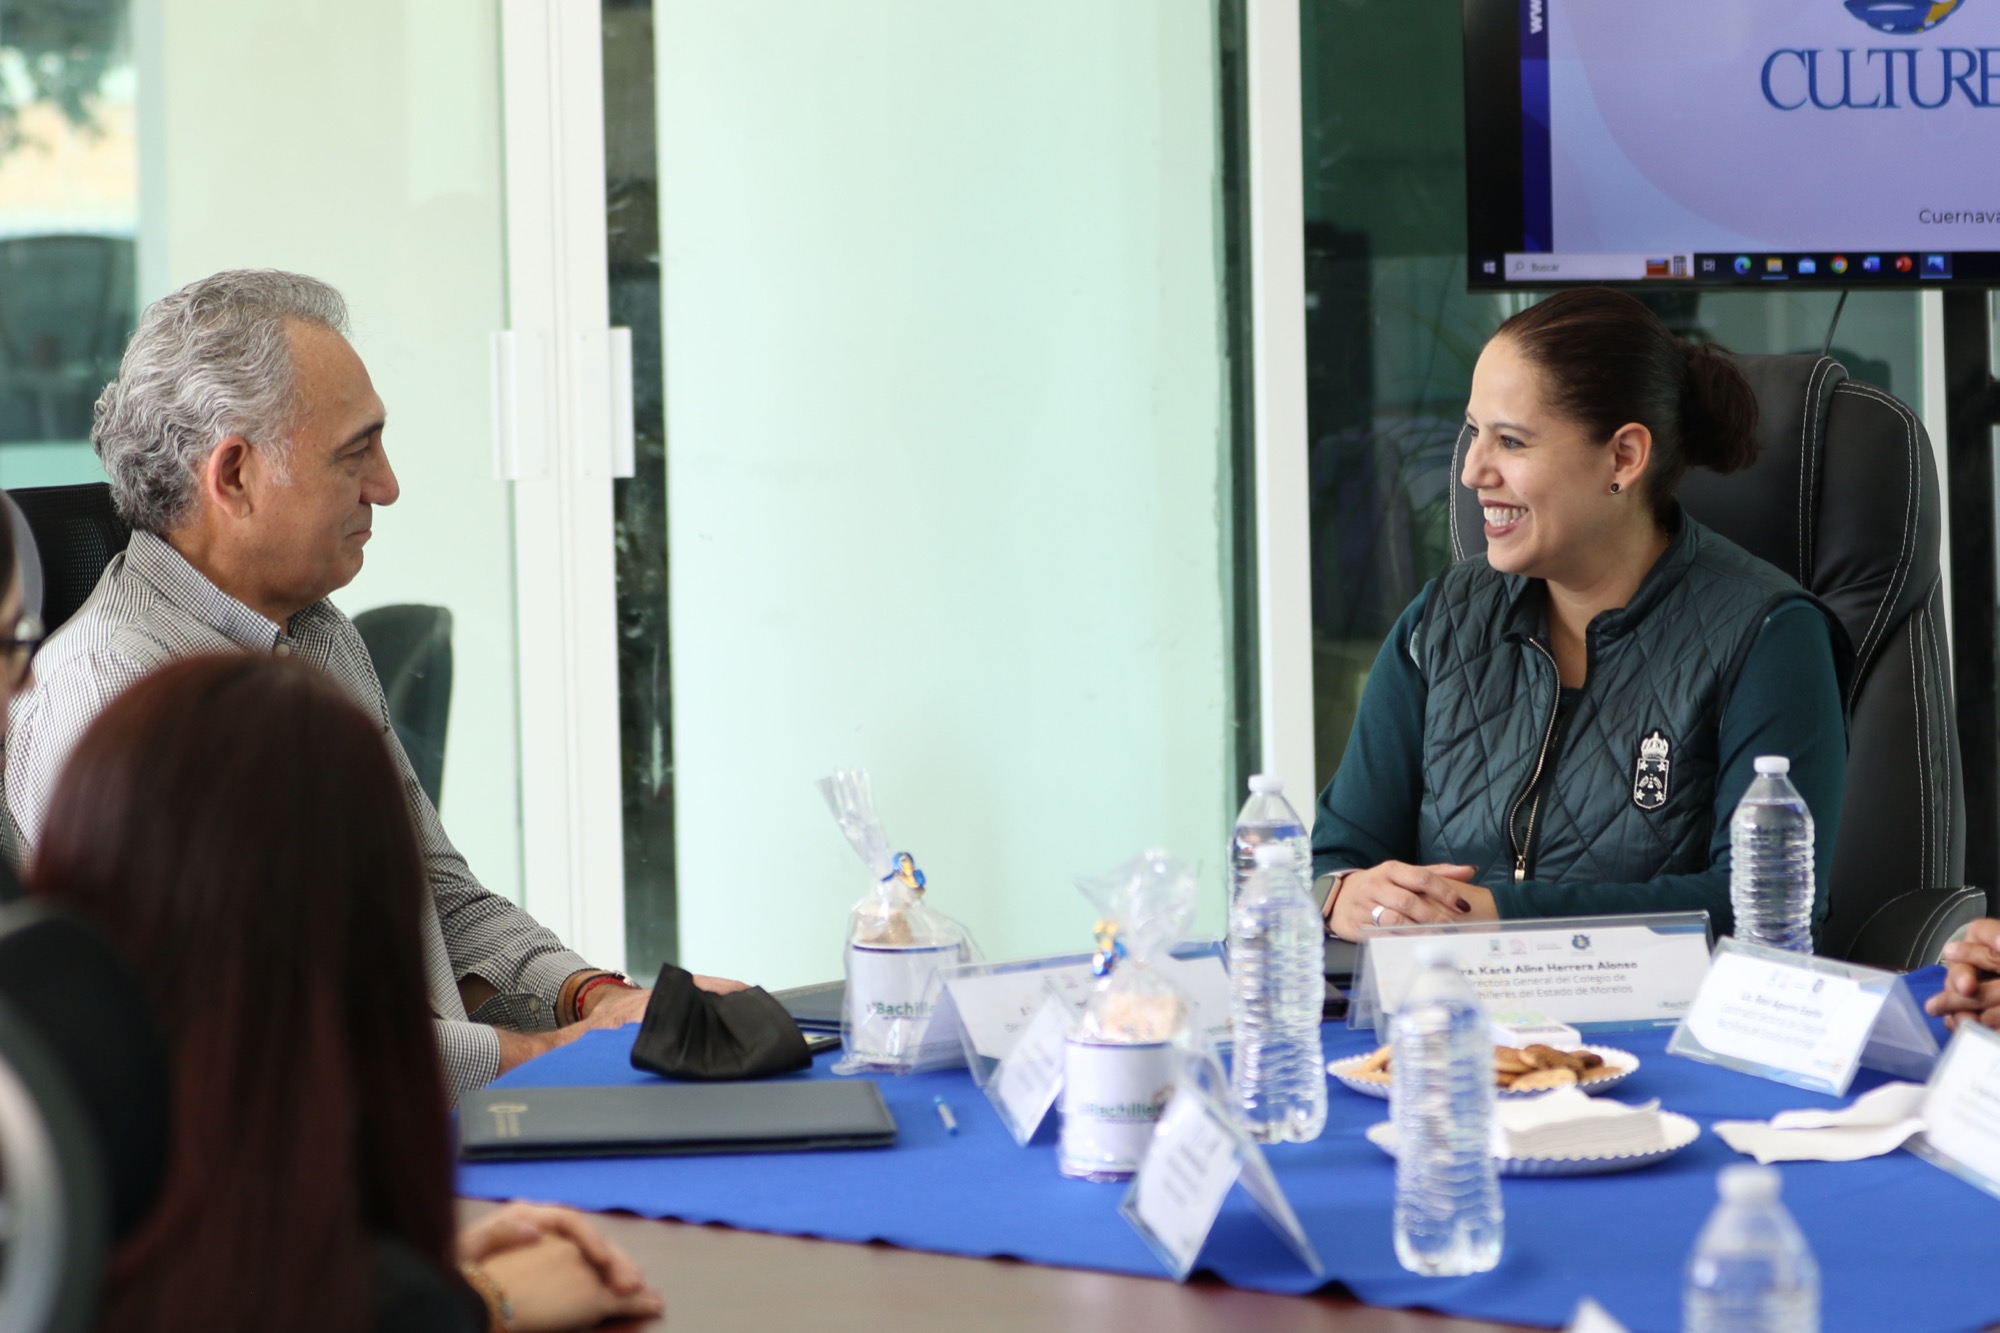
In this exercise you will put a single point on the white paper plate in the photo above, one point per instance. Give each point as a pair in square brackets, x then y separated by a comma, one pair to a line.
[1678, 1130]
[1620, 1065]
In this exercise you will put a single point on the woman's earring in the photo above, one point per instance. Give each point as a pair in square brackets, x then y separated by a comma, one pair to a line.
[1614, 488]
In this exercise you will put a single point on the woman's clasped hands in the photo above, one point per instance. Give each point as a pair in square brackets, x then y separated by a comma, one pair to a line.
[1396, 893]
[555, 1270]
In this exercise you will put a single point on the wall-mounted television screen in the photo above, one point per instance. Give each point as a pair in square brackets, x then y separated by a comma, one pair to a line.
[1826, 143]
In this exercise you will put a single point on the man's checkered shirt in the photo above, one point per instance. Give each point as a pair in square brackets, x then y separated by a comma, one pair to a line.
[152, 606]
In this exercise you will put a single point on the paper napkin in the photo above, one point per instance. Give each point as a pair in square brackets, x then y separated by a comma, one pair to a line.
[1878, 1122]
[1570, 1123]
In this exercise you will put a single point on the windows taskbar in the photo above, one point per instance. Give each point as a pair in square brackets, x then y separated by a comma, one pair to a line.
[1837, 268]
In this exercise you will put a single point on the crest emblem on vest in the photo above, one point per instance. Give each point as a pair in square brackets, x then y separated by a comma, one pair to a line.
[1651, 770]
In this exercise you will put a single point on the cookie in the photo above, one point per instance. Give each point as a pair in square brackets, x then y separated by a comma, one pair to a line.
[1537, 1079]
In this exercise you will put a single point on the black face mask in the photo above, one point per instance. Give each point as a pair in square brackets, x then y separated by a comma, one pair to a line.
[691, 1033]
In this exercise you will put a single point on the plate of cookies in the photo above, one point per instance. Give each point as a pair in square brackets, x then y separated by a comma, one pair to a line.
[1518, 1071]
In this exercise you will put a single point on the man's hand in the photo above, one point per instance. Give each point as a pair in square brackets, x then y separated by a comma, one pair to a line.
[1971, 977]
[615, 1006]
[1406, 895]
[612, 1006]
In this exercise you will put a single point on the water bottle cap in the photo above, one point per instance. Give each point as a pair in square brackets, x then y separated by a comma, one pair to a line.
[1266, 784]
[1270, 854]
[1748, 1184]
[1773, 763]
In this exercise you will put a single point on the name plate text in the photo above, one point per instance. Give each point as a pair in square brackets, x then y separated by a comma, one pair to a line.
[1599, 971]
[1803, 1020]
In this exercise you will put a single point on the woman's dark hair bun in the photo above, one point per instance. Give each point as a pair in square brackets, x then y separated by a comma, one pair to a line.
[1719, 420]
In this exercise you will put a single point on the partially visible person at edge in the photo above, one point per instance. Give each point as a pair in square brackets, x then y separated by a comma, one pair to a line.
[1563, 725]
[1971, 977]
[244, 443]
[308, 1184]
[20, 634]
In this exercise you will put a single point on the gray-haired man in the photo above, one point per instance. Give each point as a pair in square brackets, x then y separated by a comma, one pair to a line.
[243, 440]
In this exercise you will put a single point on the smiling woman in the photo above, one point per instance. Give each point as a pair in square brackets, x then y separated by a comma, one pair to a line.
[1563, 725]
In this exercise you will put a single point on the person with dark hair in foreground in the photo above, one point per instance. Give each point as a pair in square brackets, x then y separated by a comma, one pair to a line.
[20, 637]
[1563, 725]
[270, 907]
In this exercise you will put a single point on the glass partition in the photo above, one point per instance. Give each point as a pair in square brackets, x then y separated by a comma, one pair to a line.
[372, 159]
[69, 217]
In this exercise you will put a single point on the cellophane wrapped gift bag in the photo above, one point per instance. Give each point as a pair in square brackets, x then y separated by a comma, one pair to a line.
[1122, 1055]
[896, 944]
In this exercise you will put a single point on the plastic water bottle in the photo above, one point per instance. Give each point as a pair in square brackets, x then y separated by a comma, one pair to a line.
[1751, 1271]
[1266, 817]
[1448, 1219]
[1771, 861]
[1277, 990]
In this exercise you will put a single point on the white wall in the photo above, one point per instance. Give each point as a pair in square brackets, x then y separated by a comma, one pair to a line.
[359, 141]
[944, 417]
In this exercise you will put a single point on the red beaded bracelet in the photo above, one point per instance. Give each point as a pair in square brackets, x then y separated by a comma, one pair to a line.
[602, 979]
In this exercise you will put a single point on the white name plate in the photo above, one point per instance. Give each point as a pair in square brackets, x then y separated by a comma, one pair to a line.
[1961, 1109]
[1601, 971]
[1803, 1020]
[1197, 1153]
[1023, 1086]
[994, 1002]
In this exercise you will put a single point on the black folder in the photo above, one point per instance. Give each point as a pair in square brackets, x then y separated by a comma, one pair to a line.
[814, 1008]
[672, 1118]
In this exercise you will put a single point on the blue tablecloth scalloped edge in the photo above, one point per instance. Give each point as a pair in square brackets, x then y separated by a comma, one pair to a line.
[1901, 1244]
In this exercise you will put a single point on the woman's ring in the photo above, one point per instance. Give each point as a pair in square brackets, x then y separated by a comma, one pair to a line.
[1375, 914]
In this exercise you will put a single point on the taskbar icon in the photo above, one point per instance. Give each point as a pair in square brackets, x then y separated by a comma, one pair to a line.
[1825, 266]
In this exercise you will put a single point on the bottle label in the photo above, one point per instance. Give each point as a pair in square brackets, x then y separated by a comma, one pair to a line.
[1112, 1097]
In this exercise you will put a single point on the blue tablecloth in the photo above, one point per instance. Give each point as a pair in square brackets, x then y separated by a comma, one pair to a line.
[1901, 1244]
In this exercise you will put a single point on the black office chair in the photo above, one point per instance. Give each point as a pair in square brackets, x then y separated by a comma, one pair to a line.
[55, 1235]
[411, 649]
[76, 533]
[85, 1102]
[1844, 498]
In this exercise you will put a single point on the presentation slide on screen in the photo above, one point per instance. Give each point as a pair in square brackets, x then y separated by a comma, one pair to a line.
[1776, 125]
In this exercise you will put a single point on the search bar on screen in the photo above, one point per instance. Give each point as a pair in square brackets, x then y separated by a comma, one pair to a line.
[1581, 268]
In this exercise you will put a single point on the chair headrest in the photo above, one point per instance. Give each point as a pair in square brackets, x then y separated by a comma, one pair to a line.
[1843, 496]
[1768, 508]
[77, 531]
